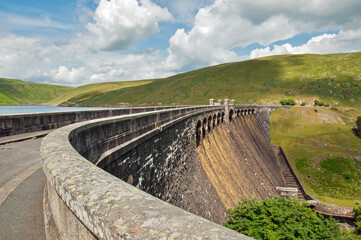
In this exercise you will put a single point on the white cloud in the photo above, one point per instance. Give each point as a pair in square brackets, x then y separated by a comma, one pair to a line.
[118, 23]
[64, 75]
[345, 41]
[184, 11]
[73, 63]
[228, 24]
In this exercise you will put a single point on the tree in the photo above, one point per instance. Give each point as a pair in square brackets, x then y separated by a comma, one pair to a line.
[281, 218]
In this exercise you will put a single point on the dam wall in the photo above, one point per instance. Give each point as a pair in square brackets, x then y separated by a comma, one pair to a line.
[147, 150]
[13, 124]
[201, 159]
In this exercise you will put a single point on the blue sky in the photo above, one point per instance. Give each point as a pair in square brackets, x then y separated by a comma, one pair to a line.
[86, 41]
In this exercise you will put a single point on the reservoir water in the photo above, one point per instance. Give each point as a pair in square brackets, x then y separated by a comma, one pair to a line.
[42, 109]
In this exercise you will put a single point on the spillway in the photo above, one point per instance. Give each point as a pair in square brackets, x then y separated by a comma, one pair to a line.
[241, 162]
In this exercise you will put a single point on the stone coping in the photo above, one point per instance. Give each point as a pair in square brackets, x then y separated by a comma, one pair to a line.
[111, 208]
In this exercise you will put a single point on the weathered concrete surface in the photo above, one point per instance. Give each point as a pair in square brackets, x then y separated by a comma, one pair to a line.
[21, 195]
[21, 215]
[17, 157]
[23, 137]
[240, 161]
[107, 206]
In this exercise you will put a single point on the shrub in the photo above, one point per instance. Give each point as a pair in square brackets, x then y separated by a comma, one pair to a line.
[303, 104]
[319, 102]
[357, 223]
[281, 218]
[288, 101]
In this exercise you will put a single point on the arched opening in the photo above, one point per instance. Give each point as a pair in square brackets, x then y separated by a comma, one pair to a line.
[242, 113]
[222, 117]
[230, 115]
[218, 118]
[214, 120]
[198, 133]
[238, 113]
[204, 128]
[209, 123]
[253, 111]
[249, 111]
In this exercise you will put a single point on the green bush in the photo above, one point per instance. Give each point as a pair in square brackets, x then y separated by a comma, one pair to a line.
[357, 224]
[319, 102]
[303, 104]
[281, 218]
[288, 101]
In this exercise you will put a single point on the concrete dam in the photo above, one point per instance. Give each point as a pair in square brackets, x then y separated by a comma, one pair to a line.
[169, 173]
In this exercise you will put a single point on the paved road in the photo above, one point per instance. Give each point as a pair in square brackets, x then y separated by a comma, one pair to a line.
[17, 157]
[21, 211]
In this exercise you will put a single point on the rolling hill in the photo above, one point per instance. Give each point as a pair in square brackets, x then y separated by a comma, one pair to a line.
[83, 93]
[17, 92]
[333, 78]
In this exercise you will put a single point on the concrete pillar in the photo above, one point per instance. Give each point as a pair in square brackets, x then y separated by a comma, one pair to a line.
[226, 110]
[220, 101]
[233, 102]
[211, 101]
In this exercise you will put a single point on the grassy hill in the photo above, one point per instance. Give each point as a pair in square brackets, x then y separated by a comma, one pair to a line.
[17, 92]
[323, 150]
[334, 78]
[83, 93]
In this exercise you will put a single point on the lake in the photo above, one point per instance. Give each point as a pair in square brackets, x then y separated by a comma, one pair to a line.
[42, 109]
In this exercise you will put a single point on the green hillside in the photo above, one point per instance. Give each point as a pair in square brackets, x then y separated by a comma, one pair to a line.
[83, 93]
[323, 150]
[17, 92]
[334, 78]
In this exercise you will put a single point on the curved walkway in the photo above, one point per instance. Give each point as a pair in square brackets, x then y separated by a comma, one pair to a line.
[21, 190]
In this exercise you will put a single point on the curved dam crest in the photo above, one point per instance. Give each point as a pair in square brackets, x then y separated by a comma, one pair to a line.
[202, 159]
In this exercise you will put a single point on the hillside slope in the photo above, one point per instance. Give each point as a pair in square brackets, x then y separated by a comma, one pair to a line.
[323, 150]
[334, 78]
[17, 92]
[82, 93]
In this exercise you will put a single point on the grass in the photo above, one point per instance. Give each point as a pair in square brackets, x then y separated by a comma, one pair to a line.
[17, 92]
[323, 150]
[334, 79]
[80, 94]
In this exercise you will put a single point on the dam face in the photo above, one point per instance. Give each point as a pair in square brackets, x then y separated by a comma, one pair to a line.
[201, 159]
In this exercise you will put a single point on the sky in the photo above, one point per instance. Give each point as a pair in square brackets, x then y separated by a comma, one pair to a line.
[77, 42]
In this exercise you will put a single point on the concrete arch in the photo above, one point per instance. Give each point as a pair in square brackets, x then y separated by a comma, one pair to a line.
[218, 118]
[198, 133]
[214, 122]
[249, 111]
[230, 115]
[253, 111]
[209, 123]
[204, 126]
[242, 113]
[222, 117]
[238, 113]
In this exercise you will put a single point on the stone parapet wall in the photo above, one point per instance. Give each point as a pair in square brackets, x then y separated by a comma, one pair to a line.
[13, 124]
[108, 207]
